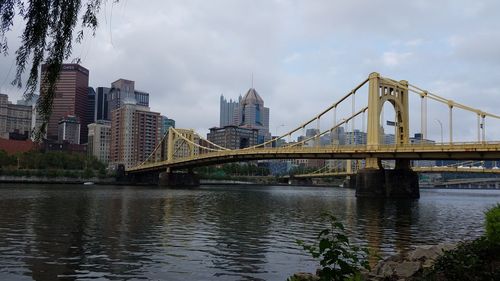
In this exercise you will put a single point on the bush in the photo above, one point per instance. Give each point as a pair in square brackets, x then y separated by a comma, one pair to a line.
[471, 260]
[88, 173]
[493, 224]
[339, 259]
[51, 173]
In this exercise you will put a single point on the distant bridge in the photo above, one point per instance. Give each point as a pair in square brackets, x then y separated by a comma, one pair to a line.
[444, 169]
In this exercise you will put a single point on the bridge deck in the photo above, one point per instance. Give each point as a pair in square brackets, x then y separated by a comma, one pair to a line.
[457, 151]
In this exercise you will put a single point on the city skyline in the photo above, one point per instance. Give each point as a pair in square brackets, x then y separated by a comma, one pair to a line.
[309, 50]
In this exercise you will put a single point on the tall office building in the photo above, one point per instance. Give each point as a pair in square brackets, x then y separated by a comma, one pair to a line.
[233, 137]
[253, 114]
[90, 109]
[228, 111]
[101, 104]
[135, 132]
[71, 97]
[248, 112]
[124, 90]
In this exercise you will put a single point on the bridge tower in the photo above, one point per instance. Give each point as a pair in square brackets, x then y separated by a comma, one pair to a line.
[180, 143]
[374, 181]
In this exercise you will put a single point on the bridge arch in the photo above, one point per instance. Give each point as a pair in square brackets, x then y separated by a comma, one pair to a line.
[379, 92]
[180, 142]
[401, 123]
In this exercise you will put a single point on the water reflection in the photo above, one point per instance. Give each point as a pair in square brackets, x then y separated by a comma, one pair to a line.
[223, 233]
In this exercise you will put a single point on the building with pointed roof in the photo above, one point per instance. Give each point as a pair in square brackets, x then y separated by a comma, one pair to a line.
[248, 112]
[253, 114]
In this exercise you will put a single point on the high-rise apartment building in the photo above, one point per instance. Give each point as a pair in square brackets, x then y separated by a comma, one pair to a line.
[124, 90]
[99, 140]
[148, 126]
[71, 97]
[135, 132]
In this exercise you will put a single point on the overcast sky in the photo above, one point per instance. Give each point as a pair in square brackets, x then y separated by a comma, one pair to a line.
[304, 55]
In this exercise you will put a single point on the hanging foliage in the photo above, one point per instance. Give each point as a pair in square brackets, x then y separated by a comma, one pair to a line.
[47, 38]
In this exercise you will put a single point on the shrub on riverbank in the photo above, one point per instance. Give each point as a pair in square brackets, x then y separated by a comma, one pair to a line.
[339, 259]
[493, 224]
[472, 260]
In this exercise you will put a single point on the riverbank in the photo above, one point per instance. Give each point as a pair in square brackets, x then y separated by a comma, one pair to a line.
[477, 259]
[469, 260]
[57, 180]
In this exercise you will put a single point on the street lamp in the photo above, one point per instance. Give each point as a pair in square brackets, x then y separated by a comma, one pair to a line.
[440, 126]
[277, 127]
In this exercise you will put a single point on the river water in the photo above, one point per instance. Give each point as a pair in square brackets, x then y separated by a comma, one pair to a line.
[50, 232]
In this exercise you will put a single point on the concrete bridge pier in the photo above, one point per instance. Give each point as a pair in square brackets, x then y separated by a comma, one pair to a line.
[401, 182]
[300, 181]
[370, 182]
[179, 179]
[150, 178]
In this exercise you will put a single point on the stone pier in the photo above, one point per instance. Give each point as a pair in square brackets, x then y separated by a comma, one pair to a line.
[397, 183]
[170, 179]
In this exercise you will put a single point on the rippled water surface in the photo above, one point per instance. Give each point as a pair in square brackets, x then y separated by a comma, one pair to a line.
[211, 233]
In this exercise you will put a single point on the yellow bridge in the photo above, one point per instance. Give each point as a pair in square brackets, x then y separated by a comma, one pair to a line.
[456, 151]
[184, 149]
[437, 169]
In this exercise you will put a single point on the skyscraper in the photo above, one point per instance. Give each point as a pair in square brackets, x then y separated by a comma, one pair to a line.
[253, 114]
[90, 108]
[101, 104]
[70, 98]
[122, 90]
[248, 112]
[228, 111]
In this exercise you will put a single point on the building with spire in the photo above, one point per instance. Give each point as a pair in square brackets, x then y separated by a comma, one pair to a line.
[253, 114]
[248, 112]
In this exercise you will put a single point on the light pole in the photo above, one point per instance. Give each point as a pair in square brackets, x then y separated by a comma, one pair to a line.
[277, 127]
[440, 126]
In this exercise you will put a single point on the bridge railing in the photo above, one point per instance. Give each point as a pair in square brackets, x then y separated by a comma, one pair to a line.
[416, 147]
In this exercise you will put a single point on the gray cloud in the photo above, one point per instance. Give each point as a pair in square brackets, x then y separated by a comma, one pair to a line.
[304, 54]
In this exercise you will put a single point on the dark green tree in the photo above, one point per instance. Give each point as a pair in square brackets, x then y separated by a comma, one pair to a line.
[47, 38]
